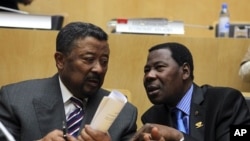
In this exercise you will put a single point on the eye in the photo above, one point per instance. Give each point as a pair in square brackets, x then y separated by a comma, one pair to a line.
[146, 69]
[104, 61]
[89, 59]
[160, 67]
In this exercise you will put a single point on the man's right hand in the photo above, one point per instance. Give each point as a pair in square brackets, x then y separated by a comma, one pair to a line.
[157, 132]
[57, 135]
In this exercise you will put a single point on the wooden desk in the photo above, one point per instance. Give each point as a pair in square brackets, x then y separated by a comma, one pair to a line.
[29, 54]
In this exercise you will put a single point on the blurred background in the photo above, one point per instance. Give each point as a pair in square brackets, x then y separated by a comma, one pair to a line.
[197, 14]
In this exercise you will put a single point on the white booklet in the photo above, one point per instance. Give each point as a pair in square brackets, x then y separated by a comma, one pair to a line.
[108, 110]
[6, 133]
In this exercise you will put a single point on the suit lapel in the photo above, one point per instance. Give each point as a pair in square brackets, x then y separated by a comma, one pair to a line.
[48, 115]
[49, 108]
[164, 116]
[197, 114]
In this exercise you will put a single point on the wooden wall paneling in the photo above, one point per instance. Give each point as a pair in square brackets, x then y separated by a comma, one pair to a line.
[99, 12]
[28, 54]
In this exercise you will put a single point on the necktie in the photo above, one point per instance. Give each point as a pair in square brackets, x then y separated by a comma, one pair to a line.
[179, 118]
[75, 118]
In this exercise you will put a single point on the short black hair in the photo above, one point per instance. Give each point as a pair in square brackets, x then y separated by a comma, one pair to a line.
[74, 31]
[180, 54]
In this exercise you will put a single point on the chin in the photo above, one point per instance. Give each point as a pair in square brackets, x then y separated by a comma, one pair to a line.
[89, 92]
[155, 101]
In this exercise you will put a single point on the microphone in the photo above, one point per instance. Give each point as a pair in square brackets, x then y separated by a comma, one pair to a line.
[209, 27]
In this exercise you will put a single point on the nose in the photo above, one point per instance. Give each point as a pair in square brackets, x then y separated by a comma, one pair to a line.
[150, 75]
[97, 67]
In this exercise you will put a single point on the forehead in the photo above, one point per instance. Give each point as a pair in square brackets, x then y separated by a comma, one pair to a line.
[91, 44]
[159, 55]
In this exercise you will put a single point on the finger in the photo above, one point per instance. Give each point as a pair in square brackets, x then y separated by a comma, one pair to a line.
[70, 138]
[140, 132]
[147, 137]
[85, 136]
[80, 138]
[155, 134]
[96, 134]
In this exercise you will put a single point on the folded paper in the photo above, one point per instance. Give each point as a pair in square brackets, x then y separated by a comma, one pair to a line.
[108, 110]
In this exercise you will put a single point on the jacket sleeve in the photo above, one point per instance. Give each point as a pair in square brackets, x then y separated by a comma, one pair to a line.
[7, 116]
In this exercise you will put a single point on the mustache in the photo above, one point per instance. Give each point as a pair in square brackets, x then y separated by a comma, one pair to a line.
[93, 76]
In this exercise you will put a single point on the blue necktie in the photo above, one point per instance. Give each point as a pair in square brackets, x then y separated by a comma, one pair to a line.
[75, 118]
[179, 118]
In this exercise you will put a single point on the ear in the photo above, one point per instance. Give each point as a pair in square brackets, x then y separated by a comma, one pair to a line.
[186, 71]
[60, 59]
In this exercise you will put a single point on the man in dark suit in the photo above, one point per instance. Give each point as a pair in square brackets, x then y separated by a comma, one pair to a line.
[37, 109]
[206, 112]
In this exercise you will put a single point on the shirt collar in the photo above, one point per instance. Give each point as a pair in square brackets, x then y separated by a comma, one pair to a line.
[185, 102]
[66, 94]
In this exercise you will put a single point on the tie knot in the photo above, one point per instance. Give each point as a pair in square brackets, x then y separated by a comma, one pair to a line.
[77, 102]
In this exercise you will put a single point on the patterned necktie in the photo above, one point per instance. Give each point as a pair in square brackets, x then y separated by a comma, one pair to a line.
[75, 118]
[179, 119]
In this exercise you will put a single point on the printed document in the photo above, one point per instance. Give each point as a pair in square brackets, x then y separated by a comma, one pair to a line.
[108, 110]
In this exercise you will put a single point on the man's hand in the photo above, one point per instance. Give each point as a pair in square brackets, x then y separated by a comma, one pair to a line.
[157, 132]
[57, 135]
[90, 134]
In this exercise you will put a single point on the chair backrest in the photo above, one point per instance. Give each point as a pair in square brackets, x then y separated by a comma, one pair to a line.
[126, 92]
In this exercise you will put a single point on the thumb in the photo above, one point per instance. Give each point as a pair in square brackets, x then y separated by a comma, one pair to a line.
[155, 134]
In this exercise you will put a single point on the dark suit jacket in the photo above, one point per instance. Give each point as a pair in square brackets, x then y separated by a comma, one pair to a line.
[213, 110]
[33, 108]
[9, 4]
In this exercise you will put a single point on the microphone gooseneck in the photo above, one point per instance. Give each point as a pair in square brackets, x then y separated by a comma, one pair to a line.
[209, 27]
